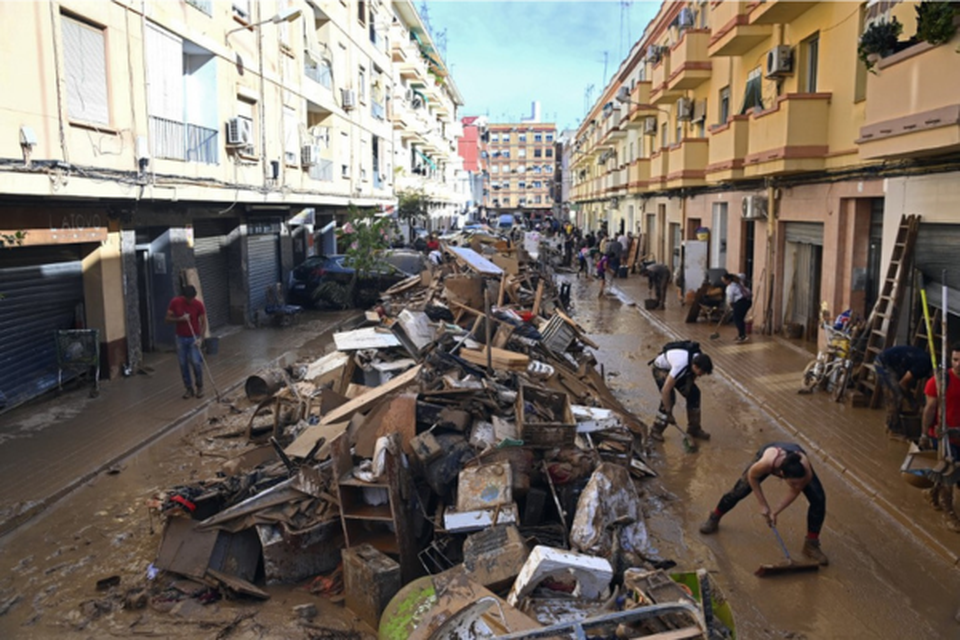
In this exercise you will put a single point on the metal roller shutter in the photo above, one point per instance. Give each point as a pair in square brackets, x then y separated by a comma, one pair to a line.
[263, 260]
[213, 267]
[804, 232]
[42, 288]
[935, 251]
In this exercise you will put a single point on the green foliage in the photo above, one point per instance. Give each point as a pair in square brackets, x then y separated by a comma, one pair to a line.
[935, 21]
[362, 237]
[10, 239]
[880, 39]
[411, 205]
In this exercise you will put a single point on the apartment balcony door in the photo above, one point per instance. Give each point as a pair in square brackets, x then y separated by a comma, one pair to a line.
[718, 236]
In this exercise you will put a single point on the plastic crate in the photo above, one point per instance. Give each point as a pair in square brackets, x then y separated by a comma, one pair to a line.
[557, 428]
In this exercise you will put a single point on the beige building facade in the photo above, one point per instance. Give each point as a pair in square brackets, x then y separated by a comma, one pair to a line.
[757, 122]
[219, 140]
[520, 160]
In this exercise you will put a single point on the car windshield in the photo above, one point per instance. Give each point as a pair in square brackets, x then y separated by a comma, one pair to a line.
[408, 262]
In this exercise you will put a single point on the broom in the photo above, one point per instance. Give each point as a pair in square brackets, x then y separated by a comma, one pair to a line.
[790, 566]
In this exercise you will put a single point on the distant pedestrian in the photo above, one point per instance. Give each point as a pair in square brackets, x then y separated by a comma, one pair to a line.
[739, 300]
[583, 259]
[614, 251]
[190, 317]
[789, 462]
[900, 370]
[658, 279]
[603, 272]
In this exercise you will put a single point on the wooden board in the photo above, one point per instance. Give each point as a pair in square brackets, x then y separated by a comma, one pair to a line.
[502, 359]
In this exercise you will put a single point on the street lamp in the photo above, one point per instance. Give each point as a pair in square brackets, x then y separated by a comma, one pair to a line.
[287, 15]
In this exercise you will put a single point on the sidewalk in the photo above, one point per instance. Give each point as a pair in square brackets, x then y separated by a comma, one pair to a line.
[767, 370]
[53, 445]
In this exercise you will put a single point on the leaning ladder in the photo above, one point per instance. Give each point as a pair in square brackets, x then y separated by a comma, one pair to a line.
[881, 329]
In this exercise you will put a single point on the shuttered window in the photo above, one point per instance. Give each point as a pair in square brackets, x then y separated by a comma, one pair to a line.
[291, 137]
[85, 71]
[164, 74]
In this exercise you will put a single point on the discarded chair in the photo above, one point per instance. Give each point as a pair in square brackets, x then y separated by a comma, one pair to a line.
[283, 314]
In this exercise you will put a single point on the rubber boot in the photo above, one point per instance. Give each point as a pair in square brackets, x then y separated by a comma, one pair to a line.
[811, 549]
[711, 524]
[932, 496]
[694, 430]
[657, 429]
[950, 520]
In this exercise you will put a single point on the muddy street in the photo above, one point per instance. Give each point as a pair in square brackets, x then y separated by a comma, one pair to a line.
[881, 583]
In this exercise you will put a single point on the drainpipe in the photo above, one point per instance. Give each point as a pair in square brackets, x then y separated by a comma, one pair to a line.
[770, 255]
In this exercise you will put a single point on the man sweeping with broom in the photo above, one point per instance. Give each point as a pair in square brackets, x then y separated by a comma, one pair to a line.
[787, 461]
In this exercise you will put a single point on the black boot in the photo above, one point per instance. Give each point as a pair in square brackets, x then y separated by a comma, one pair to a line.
[694, 430]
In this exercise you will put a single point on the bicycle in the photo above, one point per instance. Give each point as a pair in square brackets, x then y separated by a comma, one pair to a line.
[832, 369]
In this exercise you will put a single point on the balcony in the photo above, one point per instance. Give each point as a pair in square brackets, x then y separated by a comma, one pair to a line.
[733, 34]
[640, 106]
[659, 92]
[778, 11]
[659, 168]
[183, 141]
[790, 137]
[910, 111]
[688, 163]
[611, 127]
[322, 171]
[727, 150]
[690, 65]
[638, 175]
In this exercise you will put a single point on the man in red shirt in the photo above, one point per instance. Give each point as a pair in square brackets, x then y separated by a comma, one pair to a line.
[190, 316]
[941, 495]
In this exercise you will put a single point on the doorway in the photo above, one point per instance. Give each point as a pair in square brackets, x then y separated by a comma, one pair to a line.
[718, 236]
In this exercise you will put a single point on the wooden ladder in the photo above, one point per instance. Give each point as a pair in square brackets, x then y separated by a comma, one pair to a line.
[881, 327]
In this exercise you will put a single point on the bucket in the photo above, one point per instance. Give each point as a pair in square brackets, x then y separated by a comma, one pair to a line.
[211, 346]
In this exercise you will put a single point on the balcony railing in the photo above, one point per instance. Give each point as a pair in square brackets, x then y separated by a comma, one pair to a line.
[377, 110]
[322, 171]
[638, 175]
[689, 64]
[778, 11]
[319, 72]
[792, 136]
[688, 161]
[179, 141]
[732, 34]
[728, 148]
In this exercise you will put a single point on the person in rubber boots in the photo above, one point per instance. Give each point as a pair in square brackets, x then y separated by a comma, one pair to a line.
[676, 370]
[789, 462]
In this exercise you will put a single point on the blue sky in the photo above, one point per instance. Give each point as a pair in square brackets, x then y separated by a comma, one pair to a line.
[505, 55]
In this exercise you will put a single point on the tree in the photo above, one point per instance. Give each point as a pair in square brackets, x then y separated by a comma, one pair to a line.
[411, 205]
[361, 240]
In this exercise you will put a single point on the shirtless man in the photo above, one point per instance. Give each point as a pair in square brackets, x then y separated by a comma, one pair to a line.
[787, 461]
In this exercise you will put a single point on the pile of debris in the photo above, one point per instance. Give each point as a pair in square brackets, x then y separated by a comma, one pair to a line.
[459, 453]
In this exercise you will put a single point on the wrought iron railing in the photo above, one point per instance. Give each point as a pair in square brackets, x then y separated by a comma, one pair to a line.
[318, 71]
[322, 171]
[204, 5]
[174, 140]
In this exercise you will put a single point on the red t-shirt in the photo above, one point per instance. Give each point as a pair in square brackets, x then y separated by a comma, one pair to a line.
[181, 305]
[953, 402]
[433, 244]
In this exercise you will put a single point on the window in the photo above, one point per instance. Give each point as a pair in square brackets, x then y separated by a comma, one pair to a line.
[548, 168]
[724, 105]
[375, 163]
[536, 168]
[505, 137]
[362, 85]
[85, 68]
[538, 137]
[506, 200]
[495, 168]
[521, 185]
[362, 11]
[505, 153]
[752, 94]
[537, 199]
[549, 152]
[242, 8]
[537, 184]
[810, 50]
[549, 137]
[522, 137]
[344, 154]
[679, 135]
[505, 184]
[522, 169]
[521, 153]
[663, 135]
[537, 153]
[494, 137]
[291, 137]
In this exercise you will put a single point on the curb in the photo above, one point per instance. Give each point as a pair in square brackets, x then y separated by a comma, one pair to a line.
[863, 485]
[13, 523]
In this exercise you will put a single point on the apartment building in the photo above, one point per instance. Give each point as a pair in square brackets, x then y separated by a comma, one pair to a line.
[521, 164]
[758, 121]
[218, 140]
[474, 164]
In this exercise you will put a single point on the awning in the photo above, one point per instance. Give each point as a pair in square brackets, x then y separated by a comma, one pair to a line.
[420, 93]
[426, 159]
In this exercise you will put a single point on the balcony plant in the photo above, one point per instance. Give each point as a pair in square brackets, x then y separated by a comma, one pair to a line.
[935, 21]
[878, 41]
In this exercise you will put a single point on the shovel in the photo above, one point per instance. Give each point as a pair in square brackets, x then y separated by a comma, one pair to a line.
[790, 566]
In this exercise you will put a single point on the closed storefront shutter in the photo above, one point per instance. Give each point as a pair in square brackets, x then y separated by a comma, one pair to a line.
[935, 251]
[210, 251]
[263, 260]
[804, 232]
[42, 289]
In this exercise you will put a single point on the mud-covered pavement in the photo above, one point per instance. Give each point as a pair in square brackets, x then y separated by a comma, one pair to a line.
[880, 584]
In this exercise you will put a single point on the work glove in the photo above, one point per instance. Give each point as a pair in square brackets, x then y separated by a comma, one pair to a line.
[666, 417]
[925, 442]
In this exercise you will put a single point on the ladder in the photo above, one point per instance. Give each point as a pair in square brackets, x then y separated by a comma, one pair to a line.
[881, 327]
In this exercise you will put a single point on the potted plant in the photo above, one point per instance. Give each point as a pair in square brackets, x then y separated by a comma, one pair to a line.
[935, 21]
[878, 41]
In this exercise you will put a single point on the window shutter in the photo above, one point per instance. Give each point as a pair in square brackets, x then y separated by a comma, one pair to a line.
[291, 138]
[164, 74]
[85, 66]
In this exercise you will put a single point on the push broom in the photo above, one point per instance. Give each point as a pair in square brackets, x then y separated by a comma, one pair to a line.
[790, 566]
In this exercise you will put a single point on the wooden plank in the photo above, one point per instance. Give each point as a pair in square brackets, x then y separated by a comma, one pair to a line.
[538, 298]
[503, 290]
[364, 401]
[300, 447]
[502, 359]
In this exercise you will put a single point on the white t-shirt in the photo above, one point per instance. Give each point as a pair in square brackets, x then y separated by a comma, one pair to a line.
[676, 360]
[734, 293]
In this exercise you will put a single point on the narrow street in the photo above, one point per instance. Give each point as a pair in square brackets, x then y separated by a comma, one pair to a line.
[881, 582]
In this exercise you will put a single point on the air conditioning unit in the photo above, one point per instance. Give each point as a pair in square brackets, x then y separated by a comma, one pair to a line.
[349, 98]
[754, 207]
[623, 95]
[239, 131]
[655, 53]
[779, 61]
[408, 95]
[650, 126]
[684, 109]
[309, 155]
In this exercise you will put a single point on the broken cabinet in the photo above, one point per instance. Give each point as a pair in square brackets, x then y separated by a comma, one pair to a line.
[377, 513]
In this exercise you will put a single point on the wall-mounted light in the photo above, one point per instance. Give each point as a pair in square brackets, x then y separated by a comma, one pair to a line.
[28, 140]
[287, 15]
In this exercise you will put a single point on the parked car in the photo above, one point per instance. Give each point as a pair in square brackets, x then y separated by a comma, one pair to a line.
[325, 280]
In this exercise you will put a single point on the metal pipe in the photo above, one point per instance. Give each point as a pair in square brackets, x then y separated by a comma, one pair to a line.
[942, 400]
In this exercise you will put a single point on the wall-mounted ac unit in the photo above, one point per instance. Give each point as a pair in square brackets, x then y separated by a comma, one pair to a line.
[623, 95]
[239, 131]
[309, 155]
[779, 61]
[684, 109]
[650, 126]
[655, 53]
[348, 98]
[754, 207]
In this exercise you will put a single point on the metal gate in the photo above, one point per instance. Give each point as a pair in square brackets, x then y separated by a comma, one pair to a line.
[210, 245]
[42, 290]
[263, 266]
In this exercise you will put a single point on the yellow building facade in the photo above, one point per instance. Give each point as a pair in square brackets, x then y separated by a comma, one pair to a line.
[758, 122]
